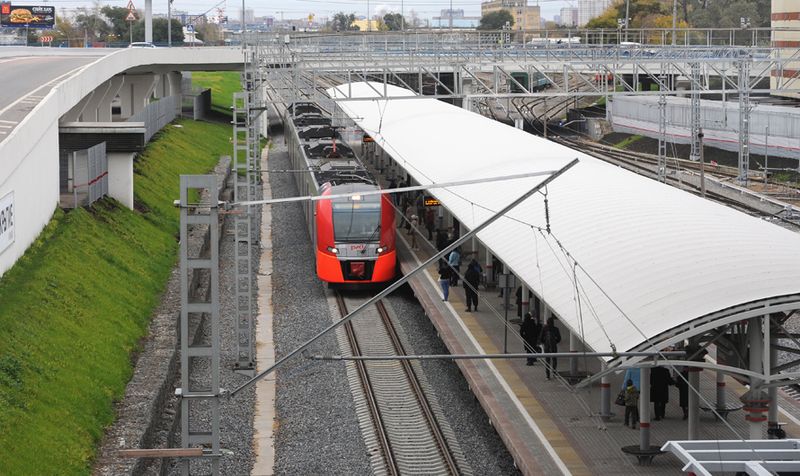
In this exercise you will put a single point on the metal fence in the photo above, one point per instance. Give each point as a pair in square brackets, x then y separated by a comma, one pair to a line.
[157, 114]
[84, 176]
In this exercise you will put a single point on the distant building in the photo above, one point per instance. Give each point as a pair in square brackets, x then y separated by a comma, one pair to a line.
[525, 17]
[568, 17]
[454, 19]
[588, 9]
[362, 25]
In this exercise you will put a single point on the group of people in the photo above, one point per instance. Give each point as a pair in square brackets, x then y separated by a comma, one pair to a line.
[413, 210]
[546, 337]
[449, 273]
[660, 381]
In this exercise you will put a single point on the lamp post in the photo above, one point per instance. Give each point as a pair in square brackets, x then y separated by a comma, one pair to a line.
[169, 23]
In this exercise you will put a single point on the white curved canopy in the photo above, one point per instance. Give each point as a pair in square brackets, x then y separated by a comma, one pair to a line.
[651, 259]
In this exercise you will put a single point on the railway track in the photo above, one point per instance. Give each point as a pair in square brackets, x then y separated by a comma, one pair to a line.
[406, 433]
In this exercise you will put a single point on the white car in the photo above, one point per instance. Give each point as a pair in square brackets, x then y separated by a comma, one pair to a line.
[142, 44]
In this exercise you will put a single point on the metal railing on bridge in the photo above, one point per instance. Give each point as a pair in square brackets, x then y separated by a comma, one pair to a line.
[157, 114]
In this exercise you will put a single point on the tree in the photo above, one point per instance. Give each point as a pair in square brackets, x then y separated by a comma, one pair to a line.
[93, 25]
[210, 33]
[496, 20]
[344, 22]
[159, 31]
[394, 21]
[116, 16]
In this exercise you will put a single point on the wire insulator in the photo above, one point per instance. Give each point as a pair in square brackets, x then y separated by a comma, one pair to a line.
[546, 215]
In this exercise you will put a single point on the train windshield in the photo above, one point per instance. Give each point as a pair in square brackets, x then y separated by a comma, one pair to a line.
[357, 220]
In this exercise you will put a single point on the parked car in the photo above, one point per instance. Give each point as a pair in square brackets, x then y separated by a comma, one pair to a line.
[142, 44]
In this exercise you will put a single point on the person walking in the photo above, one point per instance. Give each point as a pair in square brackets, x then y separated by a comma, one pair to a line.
[530, 330]
[660, 380]
[454, 260]
[408, 214]
[472, 278]
[549, 338]
[631, 404]
[444, 279]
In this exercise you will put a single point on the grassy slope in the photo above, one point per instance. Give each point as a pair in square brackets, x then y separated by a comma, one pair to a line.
[223, 84]
[74, 307]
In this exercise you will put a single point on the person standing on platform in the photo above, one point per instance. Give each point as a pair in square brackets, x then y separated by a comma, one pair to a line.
[682, 382]
[429, 219]
[441, 239]
[408, 214]
[549, 338]
[660, 380]
[454, 260]
[631, 403]
[633, 375]
[444, 279]
[519, 302]
[472, 278]
[413, 231]
[395, 196]
[530, 330]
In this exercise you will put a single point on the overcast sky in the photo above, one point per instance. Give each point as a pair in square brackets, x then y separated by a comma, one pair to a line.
[302, 8]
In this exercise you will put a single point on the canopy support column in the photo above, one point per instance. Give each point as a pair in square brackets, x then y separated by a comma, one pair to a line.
[644, 409]
[694, 402]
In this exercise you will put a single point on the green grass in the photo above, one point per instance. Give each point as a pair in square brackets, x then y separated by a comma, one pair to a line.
[623, 144]
[75, 306]
[223, 84]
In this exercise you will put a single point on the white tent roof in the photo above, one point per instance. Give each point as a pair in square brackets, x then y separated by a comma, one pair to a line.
[651, 258]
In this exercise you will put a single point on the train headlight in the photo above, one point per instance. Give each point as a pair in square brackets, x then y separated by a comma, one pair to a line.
[382, 249]
[333, 250]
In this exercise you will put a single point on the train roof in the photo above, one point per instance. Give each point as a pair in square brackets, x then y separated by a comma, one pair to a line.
[652, 265]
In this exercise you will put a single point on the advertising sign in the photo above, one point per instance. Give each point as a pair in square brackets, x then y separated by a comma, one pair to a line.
[6, 221]
[33, 16]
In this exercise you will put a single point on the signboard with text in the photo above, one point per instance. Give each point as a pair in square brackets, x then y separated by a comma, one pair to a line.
[431, 202]
[32, 16]
[6, 221]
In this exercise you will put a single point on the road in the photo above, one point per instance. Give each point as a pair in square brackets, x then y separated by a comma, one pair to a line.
[27, 79]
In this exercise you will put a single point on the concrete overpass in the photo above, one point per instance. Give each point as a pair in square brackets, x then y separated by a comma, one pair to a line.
[45, 89]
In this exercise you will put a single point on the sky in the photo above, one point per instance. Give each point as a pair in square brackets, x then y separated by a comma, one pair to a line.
[302, 8]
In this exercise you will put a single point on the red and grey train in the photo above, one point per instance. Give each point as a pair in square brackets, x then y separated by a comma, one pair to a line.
[353, 236]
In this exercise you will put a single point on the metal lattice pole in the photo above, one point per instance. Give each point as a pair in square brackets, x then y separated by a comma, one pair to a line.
[198, 394]
[241, 168]
[744, 119]
[695, 111]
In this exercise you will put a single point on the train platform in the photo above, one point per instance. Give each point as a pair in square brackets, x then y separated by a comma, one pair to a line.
[549, 426]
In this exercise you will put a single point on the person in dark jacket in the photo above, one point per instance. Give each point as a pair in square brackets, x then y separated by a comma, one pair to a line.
[444, 279]
[441, 239]
[530, 330]
[472, 277]
[660, 380]
[549, 338]
[682, 382]
[519, 301]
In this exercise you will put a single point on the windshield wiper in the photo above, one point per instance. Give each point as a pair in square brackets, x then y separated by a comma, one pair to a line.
[371, 237]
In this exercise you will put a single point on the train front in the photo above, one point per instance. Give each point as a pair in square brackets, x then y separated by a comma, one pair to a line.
[355, 236]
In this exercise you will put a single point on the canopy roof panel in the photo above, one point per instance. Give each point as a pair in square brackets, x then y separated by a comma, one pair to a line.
[650, 258]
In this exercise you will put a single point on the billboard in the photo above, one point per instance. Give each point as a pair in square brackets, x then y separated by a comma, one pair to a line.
[33, 16]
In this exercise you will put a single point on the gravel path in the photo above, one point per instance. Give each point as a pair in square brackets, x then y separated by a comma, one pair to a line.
[317, 431]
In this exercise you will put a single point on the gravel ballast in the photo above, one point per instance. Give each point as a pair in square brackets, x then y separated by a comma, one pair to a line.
[316, 430]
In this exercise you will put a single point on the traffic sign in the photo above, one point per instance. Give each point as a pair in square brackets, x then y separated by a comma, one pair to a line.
[130, 17]
[45, 39]
[130, 6]
[190, 28]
